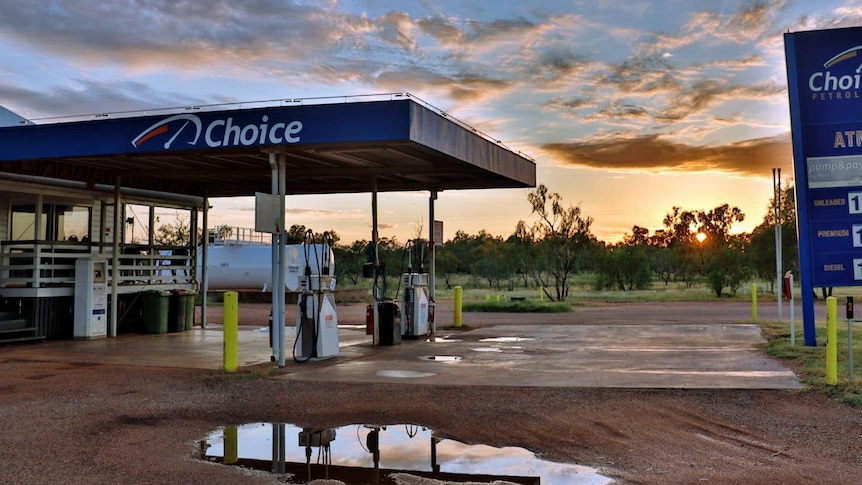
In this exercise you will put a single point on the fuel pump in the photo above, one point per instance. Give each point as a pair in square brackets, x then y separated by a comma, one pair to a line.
[320, 439]
[415, 296]
[383, 317]
[316, 317]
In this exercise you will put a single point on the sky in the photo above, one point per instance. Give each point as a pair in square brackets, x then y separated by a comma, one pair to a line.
[628, 108]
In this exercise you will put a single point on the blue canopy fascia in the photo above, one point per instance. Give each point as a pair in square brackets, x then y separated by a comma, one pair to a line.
[330, 148]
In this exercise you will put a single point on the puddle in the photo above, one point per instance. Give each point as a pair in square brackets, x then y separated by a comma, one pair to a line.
[379, 454]
[506, 339]
[404, 374]
[446, 359]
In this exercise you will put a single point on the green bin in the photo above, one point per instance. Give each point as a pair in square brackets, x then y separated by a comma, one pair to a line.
[178, 312]
[155, 311]
[190, 309]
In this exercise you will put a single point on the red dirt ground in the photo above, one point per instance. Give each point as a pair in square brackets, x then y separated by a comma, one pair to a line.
[67, 423]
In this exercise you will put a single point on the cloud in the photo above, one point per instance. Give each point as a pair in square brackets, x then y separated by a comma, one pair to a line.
[617, 110]
[737, 64]
[556, 63]
[381, 226]
[396, 28]
[83, 95]
[580, 102]
[181, 34]
[746, 24]
[705, 94]
[643, 74]
[459, 87]
[654, 154]
[443, 30]
[305, 211]
[499, 29]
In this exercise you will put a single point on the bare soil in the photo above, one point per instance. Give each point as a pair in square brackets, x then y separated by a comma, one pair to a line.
[85, 423]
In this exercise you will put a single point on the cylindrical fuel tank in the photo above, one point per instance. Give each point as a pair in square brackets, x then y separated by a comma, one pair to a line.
[234, 267]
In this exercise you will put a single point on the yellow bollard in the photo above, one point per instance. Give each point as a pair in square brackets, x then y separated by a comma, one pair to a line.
[831, 341]
[541, 294]
[231, 445]
[459, 299]
[498, 298]
[231, 331]
[754, 303]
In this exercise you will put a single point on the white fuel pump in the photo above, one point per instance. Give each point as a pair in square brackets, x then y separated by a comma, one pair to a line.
[316, 316]
[415, 304]
[414, 299]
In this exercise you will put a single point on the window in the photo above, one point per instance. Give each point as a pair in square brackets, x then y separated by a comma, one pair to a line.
[59, 222]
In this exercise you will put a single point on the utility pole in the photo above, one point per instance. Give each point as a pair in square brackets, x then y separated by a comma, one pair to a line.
[776, 199]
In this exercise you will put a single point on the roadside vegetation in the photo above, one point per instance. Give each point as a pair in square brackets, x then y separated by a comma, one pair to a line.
[810, 362]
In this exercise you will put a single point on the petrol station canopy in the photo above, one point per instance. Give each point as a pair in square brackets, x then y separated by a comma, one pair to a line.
[395, 144]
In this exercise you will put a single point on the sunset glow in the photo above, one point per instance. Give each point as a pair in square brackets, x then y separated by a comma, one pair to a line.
[628, 108]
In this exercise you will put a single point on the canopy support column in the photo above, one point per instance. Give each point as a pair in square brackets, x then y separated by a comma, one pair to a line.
[432, 243]
[151, 241]
[282, 240]
[276, 325]
[115, 263]
[205, 282]
[375, 339]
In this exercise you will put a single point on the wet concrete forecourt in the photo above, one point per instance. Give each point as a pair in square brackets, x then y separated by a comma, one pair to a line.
[522, 350]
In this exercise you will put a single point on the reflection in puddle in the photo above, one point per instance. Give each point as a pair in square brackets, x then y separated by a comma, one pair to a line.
[487, 349]
[442, 340]
[377, 454]
[441, 358]
[505, 339]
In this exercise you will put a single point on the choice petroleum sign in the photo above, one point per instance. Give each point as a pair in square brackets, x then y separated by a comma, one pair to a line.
[280, 126]
[220, 132]
[824, 78]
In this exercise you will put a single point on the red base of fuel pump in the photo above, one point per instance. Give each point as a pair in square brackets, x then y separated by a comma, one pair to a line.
[431, 305]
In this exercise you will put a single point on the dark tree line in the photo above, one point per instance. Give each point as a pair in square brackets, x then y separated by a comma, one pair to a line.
[692, 246]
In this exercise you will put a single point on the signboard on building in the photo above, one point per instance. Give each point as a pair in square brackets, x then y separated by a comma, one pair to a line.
[266, 213]
[825, 91]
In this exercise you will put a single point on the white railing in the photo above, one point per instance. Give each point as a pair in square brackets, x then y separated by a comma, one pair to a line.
[41, 264]
[240, 236]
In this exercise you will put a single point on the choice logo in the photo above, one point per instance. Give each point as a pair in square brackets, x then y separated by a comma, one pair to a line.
[844, 85]
[163, 127]
[219, 132]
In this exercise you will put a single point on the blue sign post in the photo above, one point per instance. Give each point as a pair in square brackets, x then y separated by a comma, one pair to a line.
[824, 77]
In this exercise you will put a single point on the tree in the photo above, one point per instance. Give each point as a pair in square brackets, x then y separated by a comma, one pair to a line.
[725, 269]
[487, 258]
[221, 232]
[295, 234]
[679, 226]
[761, 253]
[623, 267]
[445, 264]
[349, 260]
[176, 233]
[564, 238]
[722, 255]
[663, 259]
[717, 223]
